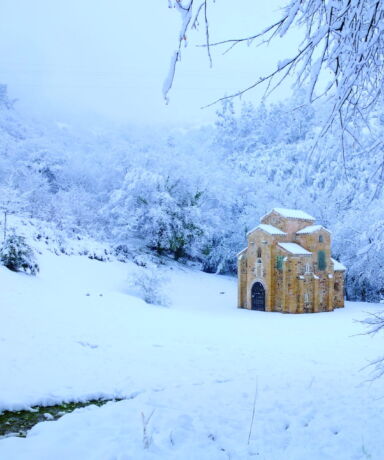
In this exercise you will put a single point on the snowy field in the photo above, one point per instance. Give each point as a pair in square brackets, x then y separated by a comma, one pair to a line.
[76, 332]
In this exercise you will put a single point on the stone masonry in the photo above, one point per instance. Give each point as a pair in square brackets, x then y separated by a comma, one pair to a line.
[287, 266]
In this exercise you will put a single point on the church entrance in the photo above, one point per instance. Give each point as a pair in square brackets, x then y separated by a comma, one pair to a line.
[258, 297]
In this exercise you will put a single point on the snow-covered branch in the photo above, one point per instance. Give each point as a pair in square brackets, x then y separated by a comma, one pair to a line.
[343, 43]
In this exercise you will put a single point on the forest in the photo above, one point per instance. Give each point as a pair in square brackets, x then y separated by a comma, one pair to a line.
[193, 193]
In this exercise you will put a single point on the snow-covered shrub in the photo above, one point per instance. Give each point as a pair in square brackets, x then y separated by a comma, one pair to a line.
[101, 256]
[17, 255]
[145, 260]
[122, 252]
[149, 282]
[218, 256]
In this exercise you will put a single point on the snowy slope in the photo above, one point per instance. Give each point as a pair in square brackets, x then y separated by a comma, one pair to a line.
[76, 332]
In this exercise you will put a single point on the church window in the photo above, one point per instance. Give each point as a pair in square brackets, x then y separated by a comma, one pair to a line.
[259, 252]
[279, 262]
[308, 268]
[306, 297]
[321, 239]
[321, 260]
[259, 268]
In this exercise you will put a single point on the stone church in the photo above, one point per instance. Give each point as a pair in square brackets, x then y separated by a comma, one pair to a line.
[288, 267]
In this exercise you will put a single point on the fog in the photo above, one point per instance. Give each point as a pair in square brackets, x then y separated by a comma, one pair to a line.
[99, 59]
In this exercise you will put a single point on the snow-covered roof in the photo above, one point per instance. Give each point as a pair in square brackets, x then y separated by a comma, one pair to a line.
[241, 252]
[311, 229]
[338, 266]
[293, 213]
[268, 229]
[295, 249]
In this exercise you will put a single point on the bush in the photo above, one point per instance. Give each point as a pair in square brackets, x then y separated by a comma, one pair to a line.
[16, 255]
[150, 284]
[122, 252]
[147, 260]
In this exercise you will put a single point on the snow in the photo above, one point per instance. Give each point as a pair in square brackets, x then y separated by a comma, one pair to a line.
[241, 252]
[338, 266]
[293, 213]
[295, 249]
[311, 229]
[167, 85]
[201, 365]
[268, 229]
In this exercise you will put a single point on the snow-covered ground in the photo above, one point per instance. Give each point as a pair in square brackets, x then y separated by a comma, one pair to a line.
[76, 332]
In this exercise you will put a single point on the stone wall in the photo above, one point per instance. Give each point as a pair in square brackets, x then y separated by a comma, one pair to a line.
[242, 279]
[338, 292]
[259, 268]
[311, 243]
[290, 226]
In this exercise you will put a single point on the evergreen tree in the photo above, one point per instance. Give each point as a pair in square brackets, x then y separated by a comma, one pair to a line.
[17, 255]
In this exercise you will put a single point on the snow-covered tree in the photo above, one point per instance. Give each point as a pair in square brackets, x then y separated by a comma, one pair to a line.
[339, 54]
[195, 193]
[11, 202]
[162, 211]
[17, 255]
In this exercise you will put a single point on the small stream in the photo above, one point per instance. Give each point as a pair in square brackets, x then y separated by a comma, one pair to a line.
[18, 423]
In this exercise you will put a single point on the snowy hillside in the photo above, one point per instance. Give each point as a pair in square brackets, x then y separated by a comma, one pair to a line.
[76, 332]
[123, 206]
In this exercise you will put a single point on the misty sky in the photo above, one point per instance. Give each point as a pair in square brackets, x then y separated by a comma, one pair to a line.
[80, 59]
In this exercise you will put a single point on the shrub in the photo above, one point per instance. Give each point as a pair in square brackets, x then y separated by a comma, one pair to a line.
[147, 260]
[16, 255]
[150, 284]
[122, 252]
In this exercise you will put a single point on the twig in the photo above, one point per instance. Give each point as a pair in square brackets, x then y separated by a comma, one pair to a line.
[147, 440]
[253, 414]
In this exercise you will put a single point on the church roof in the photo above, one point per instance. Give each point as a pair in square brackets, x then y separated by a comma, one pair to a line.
[293, 213]
[241, 252]
[311, 229]
[295, 249]
[268, 229]
[338, 266]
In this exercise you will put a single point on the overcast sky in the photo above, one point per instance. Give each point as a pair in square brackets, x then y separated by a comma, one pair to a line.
[109, 58]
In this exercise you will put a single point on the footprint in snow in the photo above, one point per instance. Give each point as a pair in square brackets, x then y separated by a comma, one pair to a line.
[87, 345]
[158, 389]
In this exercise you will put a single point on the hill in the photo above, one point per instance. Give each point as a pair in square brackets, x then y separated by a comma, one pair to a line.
[78, 332]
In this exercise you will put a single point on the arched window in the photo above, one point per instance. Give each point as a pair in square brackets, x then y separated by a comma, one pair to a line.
[336, 287]
[259, 252]
[321, 239]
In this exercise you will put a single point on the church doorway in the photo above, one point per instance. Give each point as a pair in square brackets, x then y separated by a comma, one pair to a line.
[258, 297]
